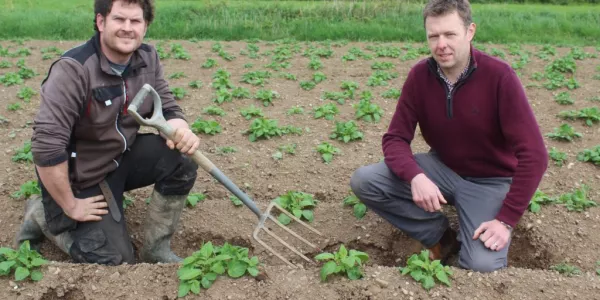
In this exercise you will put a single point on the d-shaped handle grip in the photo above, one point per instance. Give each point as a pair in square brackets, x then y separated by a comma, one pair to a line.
[157, 120]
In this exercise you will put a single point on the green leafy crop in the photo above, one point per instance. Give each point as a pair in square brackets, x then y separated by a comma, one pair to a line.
[327, 151]
[193, 199]
[425, 271]
[299, 204]
[565, 132]
[577, 200]
[346, 132]
[23, 154]
[210, 127]
[27, 189]
[359, 208]
[203, 267]
[343, 261]
[539, 199]
[591, 155]
[25, 262]
[327, 111]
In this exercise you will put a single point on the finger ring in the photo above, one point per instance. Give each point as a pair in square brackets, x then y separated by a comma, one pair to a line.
[495, 245]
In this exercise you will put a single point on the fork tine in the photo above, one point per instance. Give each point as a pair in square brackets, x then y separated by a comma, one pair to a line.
[291, 232]
[256, 238]
[273, 204]
[286, 244]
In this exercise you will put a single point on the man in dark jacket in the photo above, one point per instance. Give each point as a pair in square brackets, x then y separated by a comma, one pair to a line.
[487, 154]
[87, 149]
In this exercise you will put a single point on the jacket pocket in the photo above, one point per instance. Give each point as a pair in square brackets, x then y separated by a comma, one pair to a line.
[106, 104]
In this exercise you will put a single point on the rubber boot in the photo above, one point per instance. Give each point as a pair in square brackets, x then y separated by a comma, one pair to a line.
[34, 228]
[161, 222]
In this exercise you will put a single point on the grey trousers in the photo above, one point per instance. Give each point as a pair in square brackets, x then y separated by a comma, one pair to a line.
[477, 200]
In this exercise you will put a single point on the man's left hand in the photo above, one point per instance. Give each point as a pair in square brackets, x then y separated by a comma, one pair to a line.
[183, 139]
[493, 234]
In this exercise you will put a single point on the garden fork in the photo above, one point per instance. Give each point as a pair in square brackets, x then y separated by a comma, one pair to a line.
[158, 121]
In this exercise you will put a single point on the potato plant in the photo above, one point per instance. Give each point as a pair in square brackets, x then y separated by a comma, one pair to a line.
[209, 127]
[577, 200]
[201, 269]
[368, 111]
[359, 209]
[23, 154]
[349, 263]
[558, 157]
[590, 115]
[591, 155]
[425, 271]
[251, 111]
[299, 204]
[566, 269]
[327, 151]
[23, 263]
[194, 198]
[540, 198]
[25, 93]
[27, 189]
[266, 96]
[346, 132]
[565, 132]
[327, 111]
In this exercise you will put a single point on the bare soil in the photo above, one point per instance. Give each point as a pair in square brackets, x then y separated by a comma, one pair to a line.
[541, 240]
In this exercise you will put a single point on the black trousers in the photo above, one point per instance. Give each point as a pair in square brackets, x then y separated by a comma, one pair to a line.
[148, 161]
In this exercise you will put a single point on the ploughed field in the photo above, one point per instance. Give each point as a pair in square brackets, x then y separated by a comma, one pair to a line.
[237, 93]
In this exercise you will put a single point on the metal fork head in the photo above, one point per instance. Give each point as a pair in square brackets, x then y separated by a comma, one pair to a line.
[261, 226]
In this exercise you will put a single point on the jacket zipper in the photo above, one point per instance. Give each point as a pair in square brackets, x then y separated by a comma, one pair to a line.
[118, 119]
[450, 95]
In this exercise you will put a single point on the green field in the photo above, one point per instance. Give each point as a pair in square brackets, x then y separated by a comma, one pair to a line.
[307, 20]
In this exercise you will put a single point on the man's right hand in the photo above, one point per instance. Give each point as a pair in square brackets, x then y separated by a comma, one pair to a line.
[426, 194]
[88, 209]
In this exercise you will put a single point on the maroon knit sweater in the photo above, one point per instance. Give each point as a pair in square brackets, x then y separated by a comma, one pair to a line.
[484, 128]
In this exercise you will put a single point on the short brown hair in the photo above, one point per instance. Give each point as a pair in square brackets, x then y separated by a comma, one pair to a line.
[103, 7]
[436, 8]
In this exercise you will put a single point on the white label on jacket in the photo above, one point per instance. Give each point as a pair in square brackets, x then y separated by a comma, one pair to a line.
[108, 102]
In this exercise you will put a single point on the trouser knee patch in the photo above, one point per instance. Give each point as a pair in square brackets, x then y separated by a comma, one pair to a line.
[92, 246]
[181, 181]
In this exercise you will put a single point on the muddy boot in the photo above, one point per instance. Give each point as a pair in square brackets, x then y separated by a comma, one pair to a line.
[34, 228]
[161, 221]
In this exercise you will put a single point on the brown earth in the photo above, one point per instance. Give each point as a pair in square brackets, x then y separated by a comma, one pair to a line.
[541, 240]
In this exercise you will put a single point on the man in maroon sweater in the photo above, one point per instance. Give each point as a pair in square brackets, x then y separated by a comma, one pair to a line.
[487, 153]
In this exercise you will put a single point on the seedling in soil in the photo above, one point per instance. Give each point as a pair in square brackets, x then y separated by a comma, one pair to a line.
[307, 85]
[349, 87]
[557, 156]
[327, 151]
[5, 64]
[300, 204]
[498, 53]
[248, 66]
[240, 93]
[563, 98]
[209, 127]
[222, 95]
[27, 189]
[235, 200]
[598, 270]
[209, 63]
[23, 154]
[221, 80]
[289, 76]
[226, 150]
[564, 64]
[539, 199]
[203, 267]
[262, 128]
[214, 110]
[578, 54]
[25, 262]
[566, 269]
[565, 132]
[193, 199]
[327, 111]
[226, 55]
[13, 106]
[382, 65]
[179, 52]
[425, 271]
[366, 95]
[315, 63]
[288, 148]
[289, 129]
[359, 208]
[391, 93]
[127, 201]
[177, 75]
[590, 115]
[593, 99]
[295, 110]
[26, 93]
[256, 78]
[591, 155]
[179, 92]
[266, 96]
[578, 200]
[196, 84]
[339, 97]
[250, 112]
[368, 111]
[11, 78]
[319, 77]
[346, 132]
[342, 262]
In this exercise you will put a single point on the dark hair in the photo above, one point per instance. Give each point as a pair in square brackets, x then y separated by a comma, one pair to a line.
[436, 8]
[103, 7]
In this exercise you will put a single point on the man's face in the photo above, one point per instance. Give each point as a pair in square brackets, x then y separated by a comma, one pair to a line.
[122, 30]
[449, 40]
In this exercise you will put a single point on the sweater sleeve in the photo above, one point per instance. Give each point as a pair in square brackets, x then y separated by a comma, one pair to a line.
[522, 132]
[396, 141]
[62, 97]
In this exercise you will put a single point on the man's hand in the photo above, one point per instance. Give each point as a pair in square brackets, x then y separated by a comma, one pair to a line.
[495, 235]
[88, 209]
[426, 194]
[184, 140]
